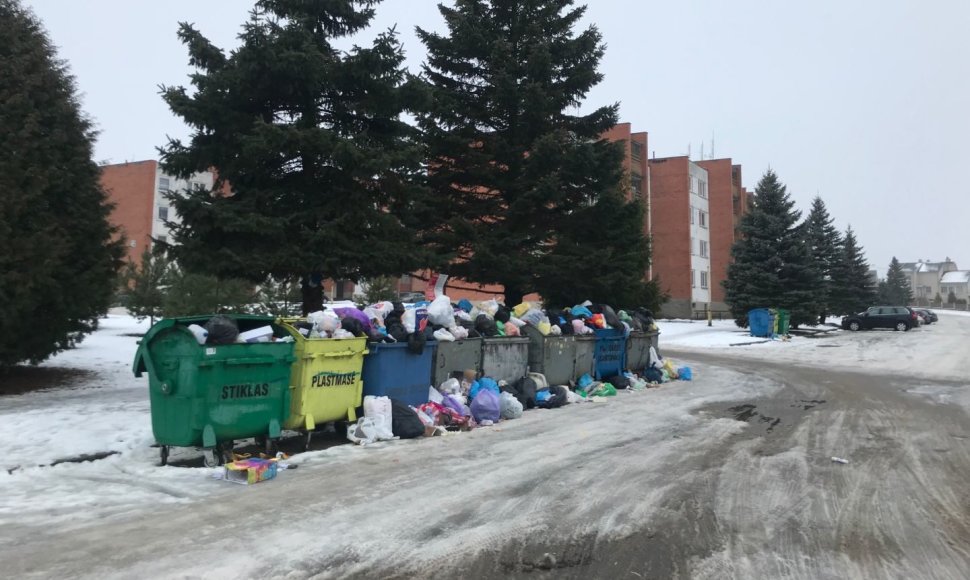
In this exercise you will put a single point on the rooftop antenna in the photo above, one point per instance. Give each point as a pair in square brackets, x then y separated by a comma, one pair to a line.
[712, 144]
[702, 150]
[688, 151]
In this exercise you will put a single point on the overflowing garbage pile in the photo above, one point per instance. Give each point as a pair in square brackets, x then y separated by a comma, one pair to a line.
[465, 402]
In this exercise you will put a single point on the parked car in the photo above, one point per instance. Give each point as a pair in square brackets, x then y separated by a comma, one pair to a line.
[928, 315]
[895, 317]
[408, 297]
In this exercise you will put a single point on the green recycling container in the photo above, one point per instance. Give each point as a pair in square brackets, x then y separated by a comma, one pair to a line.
[209, 395]
[782, 322]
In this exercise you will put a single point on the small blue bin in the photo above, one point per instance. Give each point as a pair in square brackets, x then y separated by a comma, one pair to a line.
[391, 370]
[610, 352]
[761, 322]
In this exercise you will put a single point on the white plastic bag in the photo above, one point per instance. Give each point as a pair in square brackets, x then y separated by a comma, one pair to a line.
[363, 432]
[510, 406]
[408, 319]
[379, 409]
[655, 360]
[440, 312]
[573, 397]
[540, 380]
[434, 395]
[450, 387]
[459, 332]
[517, 321]
[443, 335]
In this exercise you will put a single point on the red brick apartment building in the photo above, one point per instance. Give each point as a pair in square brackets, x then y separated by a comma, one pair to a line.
[693, 210]
[693, 213]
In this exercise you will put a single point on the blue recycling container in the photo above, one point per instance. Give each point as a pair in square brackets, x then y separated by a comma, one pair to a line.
[391, 370]
[609, 353]
[761, 322]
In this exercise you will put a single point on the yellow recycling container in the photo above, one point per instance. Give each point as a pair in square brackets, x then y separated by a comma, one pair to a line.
[325, 378]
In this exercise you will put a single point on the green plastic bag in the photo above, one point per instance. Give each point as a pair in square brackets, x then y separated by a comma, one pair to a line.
[603, 390]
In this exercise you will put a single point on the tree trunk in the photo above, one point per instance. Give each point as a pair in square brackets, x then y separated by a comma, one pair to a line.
[513, 295]
[312, 295]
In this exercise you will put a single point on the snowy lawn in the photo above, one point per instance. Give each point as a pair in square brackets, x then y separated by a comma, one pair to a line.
[915, 353]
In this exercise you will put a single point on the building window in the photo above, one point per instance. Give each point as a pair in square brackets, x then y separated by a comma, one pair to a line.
[194, 186]
[704, 280]
[692, 246]
[703, 249]
[702, 189]
[693, 279]
[162, 213]
[692, 215]
[163, 184]
[703, 218]
[636, 150]
[132, 243]
[637, 183]
[693, 184]
[162, 239]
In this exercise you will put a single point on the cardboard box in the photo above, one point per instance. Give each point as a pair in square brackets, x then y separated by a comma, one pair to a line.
[250, 471]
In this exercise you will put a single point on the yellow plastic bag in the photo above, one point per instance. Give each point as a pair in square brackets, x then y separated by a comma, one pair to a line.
[671, 369]
[545, 328]
[520, 310]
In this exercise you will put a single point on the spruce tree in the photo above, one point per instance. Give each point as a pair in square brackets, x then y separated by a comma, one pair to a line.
[527, 194]
[58, 263]
[851, 288]
[897, 290]
[772, 264]
[322, 171]
[826, 247]
[146, 284]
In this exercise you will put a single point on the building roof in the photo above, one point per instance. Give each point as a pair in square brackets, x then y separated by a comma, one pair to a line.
[956, 277]
[923, 267]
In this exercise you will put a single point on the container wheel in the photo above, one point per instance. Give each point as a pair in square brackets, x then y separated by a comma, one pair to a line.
[163, 455]
[211, 457]
[305, 438]
[270, 446]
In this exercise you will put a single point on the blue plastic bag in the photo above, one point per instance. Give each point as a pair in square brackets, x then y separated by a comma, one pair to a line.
[581, 312]
[487, 406]
[543, 396]
[685, 373]
[485, 383]
[584, 382]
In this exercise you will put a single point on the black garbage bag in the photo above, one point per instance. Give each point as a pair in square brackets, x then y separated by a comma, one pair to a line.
[612, 320]
[619, 382]
[559, 398]
[416, 342]
[524, 390]
[353, 326]
[222, 330]
[503, 314]
[486, 326]
[404, 421]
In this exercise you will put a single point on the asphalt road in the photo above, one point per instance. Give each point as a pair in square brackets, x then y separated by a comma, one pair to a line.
[652, 488]
[769, 502]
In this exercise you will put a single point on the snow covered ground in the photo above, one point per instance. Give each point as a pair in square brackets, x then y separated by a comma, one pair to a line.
[420, 503]
[916, 353]
[108, 411]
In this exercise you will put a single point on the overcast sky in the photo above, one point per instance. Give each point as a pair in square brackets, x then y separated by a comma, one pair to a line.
[862, 102]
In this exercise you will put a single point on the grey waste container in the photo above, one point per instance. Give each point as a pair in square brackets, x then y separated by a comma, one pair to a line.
[638, 349]
[505, 358]
[455, 357]
[553, 356]
[585, 353]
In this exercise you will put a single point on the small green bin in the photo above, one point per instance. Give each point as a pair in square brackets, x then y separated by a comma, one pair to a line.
[210, 395]
[782, 322]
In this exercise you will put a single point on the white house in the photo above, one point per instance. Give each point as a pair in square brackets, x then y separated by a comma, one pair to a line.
[958, 282]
